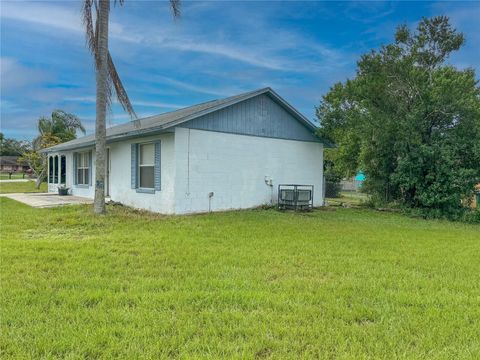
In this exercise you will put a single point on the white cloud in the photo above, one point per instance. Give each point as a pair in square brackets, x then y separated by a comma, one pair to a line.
[81, 99]
[369, 11]
[217, 91]
[58, 17]
[41, 14]
[16, 76]
[153, 104]
[280, 53]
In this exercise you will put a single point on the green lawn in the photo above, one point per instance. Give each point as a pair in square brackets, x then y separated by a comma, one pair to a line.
[350, 198]
[344, 284]
[21, 187]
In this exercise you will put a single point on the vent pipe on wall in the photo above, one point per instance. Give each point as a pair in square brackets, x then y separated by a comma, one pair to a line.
[210, 195]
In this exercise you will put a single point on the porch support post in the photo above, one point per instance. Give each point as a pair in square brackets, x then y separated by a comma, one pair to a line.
[48, 169]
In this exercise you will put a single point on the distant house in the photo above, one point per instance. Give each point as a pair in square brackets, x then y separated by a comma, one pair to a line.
[354, 183]
[223, 154]
[10, 164]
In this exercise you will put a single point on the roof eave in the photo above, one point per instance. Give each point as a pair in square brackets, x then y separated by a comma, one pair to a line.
[161, 128]
[110, 139]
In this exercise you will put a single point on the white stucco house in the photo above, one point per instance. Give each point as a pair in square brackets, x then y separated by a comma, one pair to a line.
[219, 155]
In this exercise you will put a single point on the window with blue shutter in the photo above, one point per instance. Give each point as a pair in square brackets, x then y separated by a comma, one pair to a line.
[146, 167]
[82, 164]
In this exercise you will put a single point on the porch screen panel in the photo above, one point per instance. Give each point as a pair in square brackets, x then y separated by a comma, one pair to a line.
[63, 169]
[55, 169]
[50, 169]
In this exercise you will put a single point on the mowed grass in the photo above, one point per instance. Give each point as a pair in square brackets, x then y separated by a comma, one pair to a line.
[21, 187]
[349, 198]
[346, 284]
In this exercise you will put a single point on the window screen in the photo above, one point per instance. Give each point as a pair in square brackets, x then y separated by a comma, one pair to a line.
[146, 166]
[55, 172]
[63, 169]
[83, 168]
[50, 169]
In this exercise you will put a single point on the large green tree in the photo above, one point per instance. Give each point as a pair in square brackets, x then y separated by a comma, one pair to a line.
[410, 121]
[58, 128]
[11, 147]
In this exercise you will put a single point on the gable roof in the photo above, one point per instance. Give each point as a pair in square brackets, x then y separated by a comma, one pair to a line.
[159, 123]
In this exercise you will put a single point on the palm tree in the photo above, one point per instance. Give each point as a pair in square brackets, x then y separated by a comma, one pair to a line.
[107, 79]
[59, 128]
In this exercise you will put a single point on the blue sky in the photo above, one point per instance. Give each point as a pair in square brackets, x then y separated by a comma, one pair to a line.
[216, 49]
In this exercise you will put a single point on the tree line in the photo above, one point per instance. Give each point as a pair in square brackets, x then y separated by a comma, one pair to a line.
[410, 121]
[58, 128]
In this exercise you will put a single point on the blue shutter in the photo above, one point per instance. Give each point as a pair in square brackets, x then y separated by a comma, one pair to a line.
[89, 168]
[133, 169]
[75, 181]
[157, 169]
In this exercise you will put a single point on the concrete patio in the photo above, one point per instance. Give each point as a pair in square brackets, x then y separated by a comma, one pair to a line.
[43, 200]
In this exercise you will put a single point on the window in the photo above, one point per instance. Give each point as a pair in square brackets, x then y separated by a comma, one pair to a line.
[63, 169]
[146, 166]
[55, 173]
[53, 169]
[50, 169]
[83, 168]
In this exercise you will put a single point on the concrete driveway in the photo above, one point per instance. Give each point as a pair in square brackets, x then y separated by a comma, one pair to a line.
[43, 200]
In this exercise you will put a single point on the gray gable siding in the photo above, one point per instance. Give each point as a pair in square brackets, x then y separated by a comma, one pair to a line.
[258, 116]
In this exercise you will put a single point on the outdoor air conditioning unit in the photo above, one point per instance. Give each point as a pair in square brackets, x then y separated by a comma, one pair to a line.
[295, 197]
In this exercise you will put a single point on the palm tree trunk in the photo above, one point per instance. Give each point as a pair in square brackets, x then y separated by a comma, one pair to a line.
[100, 130]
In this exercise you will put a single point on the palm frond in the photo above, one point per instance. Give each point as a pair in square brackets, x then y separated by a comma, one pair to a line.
[68, 121]
[114, 82]
[36, 142]
[176, 6]
[122, 95]
[44, 125]
[90, 37]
